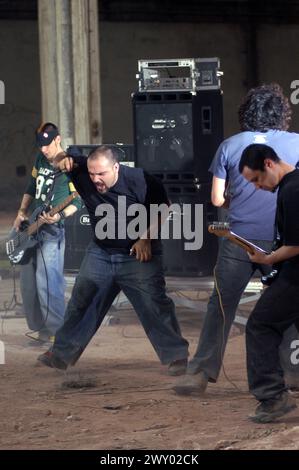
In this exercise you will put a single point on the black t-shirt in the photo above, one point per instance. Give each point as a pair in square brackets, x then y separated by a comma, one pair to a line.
[287, 216]
[134, 186]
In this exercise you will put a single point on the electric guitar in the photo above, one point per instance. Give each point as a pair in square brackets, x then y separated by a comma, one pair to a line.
[20, 244]
[222, 229]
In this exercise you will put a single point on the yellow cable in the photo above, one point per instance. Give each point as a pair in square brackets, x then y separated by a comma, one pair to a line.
[223, 331]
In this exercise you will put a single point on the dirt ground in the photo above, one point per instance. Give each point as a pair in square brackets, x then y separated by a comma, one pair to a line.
[119, 397]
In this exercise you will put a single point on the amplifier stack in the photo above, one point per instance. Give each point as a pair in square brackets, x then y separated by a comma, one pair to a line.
[178, 126]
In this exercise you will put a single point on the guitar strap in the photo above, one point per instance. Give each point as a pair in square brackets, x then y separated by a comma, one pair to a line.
[50, 193]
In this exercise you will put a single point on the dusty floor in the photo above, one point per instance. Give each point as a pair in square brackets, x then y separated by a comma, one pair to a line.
[119, 396]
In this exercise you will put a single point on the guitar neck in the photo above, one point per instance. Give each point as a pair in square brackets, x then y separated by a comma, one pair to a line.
[35, 226]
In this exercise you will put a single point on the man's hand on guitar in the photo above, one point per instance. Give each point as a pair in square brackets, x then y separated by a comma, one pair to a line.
[19, 219]
[46, 218]
[260, 258]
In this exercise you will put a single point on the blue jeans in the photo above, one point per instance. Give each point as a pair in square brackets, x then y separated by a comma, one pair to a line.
[100, 279]
[42, 282]
[233, 272]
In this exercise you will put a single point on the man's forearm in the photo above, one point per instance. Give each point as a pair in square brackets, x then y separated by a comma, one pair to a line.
[283, 253]
[25, 204]
[70, 210]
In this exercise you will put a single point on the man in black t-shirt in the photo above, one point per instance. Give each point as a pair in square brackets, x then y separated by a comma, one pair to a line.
[114, 261]
[278, 307]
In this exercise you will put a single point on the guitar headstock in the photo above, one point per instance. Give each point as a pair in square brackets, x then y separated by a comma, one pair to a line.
[221, 229]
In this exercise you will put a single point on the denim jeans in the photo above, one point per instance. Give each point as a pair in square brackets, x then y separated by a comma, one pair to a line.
[42, 282]
[233, 272]
[274, 313]
[100, 279]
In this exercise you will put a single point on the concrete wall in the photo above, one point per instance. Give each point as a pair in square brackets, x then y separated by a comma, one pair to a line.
[19, 69]
[278, 59]
[122, 44]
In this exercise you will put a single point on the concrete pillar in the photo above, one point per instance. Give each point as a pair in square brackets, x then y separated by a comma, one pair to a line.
[48, 59]
[95, 82]
[69, 62]
[64, 64]
[80, 51]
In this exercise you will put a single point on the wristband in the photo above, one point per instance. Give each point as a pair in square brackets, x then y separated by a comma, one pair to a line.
[62, 215]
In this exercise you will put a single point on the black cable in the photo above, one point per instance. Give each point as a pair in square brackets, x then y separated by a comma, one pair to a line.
[9, 305]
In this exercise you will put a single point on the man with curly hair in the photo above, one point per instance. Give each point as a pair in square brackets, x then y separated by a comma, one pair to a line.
[264, 118]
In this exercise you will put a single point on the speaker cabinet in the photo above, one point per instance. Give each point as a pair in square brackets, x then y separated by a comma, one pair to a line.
[177, 133]
[178, 261]
[78, 234]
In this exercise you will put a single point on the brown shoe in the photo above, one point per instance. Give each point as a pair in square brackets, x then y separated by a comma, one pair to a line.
[269, 410]
[178, 367]
[50, 360]
[189, 384]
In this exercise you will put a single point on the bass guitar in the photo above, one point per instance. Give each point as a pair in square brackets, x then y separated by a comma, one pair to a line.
[20, 244]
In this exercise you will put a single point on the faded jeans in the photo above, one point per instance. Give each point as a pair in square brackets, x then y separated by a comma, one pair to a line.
[100, 279]
[42, 282]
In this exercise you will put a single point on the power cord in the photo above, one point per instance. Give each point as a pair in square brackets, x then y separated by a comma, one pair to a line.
[223, 332]
[9, 305]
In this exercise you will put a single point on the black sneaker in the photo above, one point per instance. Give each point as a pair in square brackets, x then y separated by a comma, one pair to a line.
[274, 408]
[50, 360]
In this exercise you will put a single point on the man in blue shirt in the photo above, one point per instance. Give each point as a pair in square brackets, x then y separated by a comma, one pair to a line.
[264, 117]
